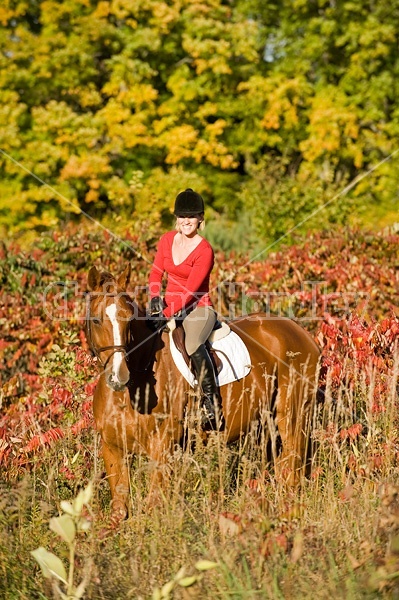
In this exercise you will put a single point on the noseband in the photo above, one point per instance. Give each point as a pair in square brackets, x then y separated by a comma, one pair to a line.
[97, 352]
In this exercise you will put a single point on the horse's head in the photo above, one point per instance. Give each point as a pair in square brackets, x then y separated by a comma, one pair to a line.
[109, 313]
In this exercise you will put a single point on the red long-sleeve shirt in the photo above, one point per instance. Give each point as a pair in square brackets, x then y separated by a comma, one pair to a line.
[188, 282]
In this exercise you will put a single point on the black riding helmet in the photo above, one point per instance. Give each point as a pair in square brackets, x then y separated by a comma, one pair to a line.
[188, 204]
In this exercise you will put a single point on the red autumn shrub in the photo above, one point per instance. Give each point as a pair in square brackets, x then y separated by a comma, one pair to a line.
[341, 286]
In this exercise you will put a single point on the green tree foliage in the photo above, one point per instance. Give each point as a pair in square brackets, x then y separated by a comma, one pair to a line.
[265, 107]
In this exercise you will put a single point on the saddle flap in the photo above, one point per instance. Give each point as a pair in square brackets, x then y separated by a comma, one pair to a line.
[178, 335]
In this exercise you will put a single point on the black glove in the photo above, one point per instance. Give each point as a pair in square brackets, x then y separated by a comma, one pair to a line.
[156, 305]
[155, 318]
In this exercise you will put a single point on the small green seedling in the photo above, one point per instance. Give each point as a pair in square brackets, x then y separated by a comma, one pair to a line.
[182, 580]
[66, 526]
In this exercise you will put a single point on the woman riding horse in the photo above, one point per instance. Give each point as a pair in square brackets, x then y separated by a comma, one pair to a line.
[140, 400]
[187, 258]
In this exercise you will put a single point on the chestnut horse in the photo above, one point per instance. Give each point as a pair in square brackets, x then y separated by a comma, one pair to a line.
[139, 402]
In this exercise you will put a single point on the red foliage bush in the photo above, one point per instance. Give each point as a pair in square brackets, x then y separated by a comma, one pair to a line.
[344, 287]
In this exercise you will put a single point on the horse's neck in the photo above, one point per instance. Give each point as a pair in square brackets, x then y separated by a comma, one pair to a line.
[143, 343]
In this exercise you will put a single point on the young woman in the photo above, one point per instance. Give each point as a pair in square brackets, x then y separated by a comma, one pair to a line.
[187, 258]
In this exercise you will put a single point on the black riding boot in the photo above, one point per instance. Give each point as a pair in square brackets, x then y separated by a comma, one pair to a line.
[211, 401]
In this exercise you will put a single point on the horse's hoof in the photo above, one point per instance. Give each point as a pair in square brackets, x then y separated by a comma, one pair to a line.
[118, 514]
[112, 525]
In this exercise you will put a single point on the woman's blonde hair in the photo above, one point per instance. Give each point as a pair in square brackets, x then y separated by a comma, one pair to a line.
[201, 224]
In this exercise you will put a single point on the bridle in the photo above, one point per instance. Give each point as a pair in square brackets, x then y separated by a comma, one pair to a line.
[97, 351]
[114, 347]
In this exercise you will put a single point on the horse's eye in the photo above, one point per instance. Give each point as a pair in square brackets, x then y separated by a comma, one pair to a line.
[96, 320]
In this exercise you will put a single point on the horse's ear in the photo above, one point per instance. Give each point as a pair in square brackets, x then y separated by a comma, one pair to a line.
[124, 278]
[93, 279]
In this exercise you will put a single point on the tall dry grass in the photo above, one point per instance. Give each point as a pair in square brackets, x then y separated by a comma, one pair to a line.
[335, 536]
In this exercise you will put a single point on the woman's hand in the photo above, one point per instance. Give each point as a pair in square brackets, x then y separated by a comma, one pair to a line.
[155, 318]
[156, 306]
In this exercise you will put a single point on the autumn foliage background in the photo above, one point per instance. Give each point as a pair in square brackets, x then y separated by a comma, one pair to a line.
[284, 116]
[267, 108]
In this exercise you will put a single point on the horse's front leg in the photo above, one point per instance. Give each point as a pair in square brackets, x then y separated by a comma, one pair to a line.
[160, 450]
[117, 469]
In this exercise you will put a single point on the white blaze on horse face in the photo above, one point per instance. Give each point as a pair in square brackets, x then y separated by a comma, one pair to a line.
[118, 355]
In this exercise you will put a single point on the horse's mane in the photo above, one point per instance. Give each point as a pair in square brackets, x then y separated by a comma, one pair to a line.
[106, 276]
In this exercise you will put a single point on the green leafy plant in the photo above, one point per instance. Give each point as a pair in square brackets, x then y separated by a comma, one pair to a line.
[67, 526]
[181, 579]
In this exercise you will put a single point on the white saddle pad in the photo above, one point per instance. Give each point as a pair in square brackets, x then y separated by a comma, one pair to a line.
[236, 362]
